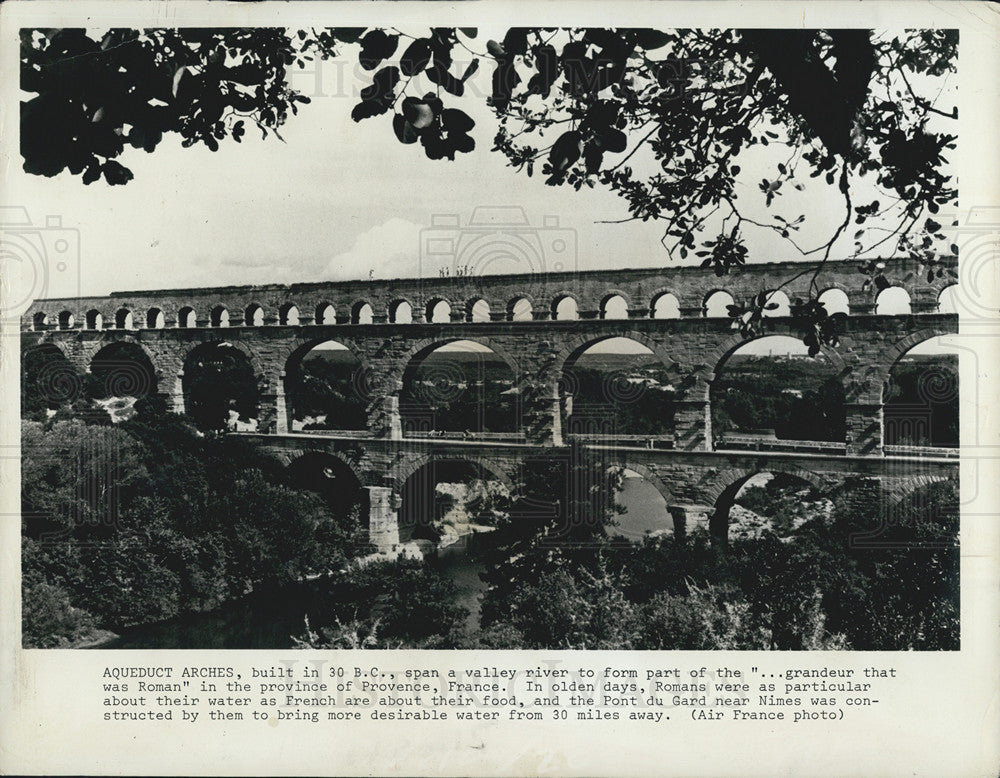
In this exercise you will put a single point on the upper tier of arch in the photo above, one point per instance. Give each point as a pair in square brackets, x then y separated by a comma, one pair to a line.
[640, 287]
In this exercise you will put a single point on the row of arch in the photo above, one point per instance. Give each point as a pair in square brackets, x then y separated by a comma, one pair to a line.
[893, 300]
[416, 481]
[427, 405]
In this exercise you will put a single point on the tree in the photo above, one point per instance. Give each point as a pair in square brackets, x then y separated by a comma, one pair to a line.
[387, 604]
[48, 381]
[663, 119]
[554, 529]
[143, 520]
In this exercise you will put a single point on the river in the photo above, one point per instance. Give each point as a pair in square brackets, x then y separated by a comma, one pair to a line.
[268, 621]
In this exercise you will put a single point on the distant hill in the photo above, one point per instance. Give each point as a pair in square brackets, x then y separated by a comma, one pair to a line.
[339, 357]
[739, 365]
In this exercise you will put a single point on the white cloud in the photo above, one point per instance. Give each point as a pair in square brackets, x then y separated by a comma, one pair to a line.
[390, 249]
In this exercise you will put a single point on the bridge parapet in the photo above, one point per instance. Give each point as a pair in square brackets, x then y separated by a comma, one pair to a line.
[379, 301]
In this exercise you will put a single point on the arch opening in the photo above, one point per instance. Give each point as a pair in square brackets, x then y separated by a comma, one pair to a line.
[219, 316]
[325, 314]
[642, 507]
[124, 319]
[48, 381]
[220, 388]
[769, 390]
[39, 321]
[777, 304]
[186, 317]
[288, 314]
[478, 310]
[617, 387]
[362, 313]
[438, 312]
[614, 307]
[155, 319]
[892, 301]
[767, 501]
[666, 306]
[921, 399]
[401, 312]
[448, 500]
[519, 309]
[121, 370]
[324, 386]
[716, 304]
[459, 388]
[254, 316]
[66, 320]
[948, 299]
[94, 320]
[341, 492]
[835, 301]
[565, 309]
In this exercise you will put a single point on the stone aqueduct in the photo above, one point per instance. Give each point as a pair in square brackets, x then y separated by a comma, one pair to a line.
[275, 326]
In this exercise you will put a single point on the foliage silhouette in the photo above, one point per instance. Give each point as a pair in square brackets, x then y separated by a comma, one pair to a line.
[659, 118]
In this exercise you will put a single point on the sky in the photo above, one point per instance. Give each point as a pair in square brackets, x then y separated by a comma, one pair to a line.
[338, 200]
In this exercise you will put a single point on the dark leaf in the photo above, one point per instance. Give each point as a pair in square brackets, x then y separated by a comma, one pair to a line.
[348, 34]
[505, 79]
[404, 130]
[547, 65]
[116, 174]
[593, 155]
[247, 74]
[419, 113]
[516, 41]
[92, 173]
[470, 70]
[565, 151]
[495, 50]
[375, 47]
[456, 121]
[651, 39]
[613, 140]
[383, 82]
[416, 57]
[446, 80]
[367, 109]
